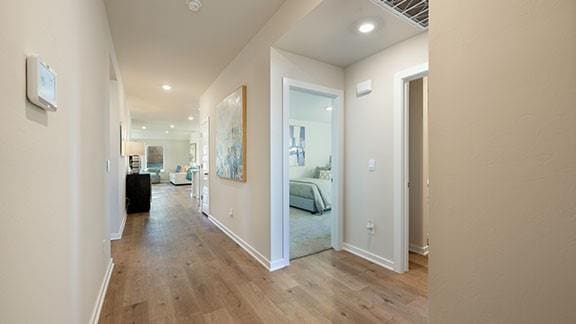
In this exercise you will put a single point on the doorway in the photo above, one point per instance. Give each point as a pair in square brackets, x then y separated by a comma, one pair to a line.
[418, 174]
[204, 202]
[401, 162]
[312, 118]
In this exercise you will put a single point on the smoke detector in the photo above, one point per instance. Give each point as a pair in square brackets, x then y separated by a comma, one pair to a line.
[194, 5]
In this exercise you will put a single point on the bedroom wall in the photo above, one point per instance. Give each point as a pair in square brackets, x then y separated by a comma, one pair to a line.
[309, 111]
[318, 148]
[503, 157]
[54, 235]
[369, 135]
[250, 201]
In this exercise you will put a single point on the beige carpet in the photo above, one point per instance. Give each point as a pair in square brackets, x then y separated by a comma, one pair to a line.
[309, 233]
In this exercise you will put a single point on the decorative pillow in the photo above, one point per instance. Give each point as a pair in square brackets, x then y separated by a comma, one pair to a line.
[324, 174]
[178, 168]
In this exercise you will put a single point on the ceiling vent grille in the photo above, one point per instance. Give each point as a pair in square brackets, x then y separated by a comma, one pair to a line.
[416, 11]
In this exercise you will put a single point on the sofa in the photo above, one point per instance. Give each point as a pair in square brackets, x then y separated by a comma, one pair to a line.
[180, 177]
[154, 175]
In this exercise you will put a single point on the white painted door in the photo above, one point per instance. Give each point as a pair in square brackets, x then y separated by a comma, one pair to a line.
[205, 167]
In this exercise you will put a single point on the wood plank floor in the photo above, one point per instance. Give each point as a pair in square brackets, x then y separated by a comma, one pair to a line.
[174, 266]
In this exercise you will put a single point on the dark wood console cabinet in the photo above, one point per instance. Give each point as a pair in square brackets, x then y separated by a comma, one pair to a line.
[138, 193]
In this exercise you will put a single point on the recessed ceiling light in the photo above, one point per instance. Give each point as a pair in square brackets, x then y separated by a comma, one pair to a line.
[167, 132]
[143, 127]
[191, 118]
[172, 126]
[166, 87]
[366, 28]
[329, 108]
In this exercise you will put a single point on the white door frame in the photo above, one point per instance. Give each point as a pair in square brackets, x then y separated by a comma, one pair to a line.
[337, 160]
[204, 171]
[401, 161]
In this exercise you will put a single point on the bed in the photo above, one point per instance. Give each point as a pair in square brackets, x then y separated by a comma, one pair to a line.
[311, 194]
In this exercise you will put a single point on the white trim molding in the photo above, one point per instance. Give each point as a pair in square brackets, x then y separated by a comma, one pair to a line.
[400, 164]
[422, 250]
[376, 259]
[337, 127]
[118, 236]
[102, 293]
[271, 266]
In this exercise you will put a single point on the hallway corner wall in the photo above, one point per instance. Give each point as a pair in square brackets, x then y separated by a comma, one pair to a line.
[250, 201]
[369, 123]
[54, 234]
[503, 161]
[301, 68]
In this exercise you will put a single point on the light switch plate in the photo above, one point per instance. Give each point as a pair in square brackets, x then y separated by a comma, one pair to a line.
[371, 165]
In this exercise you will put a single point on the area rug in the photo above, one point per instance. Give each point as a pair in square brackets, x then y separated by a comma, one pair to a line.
[309, 233]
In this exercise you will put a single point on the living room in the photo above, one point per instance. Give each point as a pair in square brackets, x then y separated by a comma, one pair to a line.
[169, 150]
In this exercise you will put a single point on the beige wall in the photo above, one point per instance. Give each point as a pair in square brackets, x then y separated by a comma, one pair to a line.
[251, 200]
[369, 135]
[53, 235]
[503, 161]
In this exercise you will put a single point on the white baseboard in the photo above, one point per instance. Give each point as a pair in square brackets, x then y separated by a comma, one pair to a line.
[271, 266]
[118, 236]
[422, 250]
[383, 262]
[278, 264]
[101, 294]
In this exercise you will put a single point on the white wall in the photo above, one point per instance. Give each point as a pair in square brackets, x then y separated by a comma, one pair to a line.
[318, 148]
[118, 113]
[369, 135]
[176, 152]
[54, 236]
[503, 162]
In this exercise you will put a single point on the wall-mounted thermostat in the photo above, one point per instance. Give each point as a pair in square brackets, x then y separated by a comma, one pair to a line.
[364, 88]
[41, 83]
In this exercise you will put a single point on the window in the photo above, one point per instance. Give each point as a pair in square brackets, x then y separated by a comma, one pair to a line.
[155, 157]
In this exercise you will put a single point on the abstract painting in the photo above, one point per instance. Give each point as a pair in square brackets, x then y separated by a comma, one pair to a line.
[231, 136]
[297, 146]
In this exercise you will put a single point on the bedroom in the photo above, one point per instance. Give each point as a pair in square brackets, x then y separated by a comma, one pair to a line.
[310, 164]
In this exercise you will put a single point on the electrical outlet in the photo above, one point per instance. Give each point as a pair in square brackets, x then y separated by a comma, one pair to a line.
[231, 212]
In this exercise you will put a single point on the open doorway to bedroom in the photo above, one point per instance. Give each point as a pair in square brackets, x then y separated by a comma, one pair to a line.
[311, 163]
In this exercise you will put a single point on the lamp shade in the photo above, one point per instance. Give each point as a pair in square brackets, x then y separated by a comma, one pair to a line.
[135, 148]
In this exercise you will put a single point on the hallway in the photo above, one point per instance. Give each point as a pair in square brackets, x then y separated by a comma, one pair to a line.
[175, 266]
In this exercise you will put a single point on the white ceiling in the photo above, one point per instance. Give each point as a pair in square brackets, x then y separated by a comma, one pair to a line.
[329, 33]
[161, 41]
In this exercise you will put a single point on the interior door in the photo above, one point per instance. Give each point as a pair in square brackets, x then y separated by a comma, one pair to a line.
[205, 167]
[417, 181]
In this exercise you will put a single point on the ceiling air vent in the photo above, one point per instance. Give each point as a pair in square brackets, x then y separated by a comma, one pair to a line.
[416, 11]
